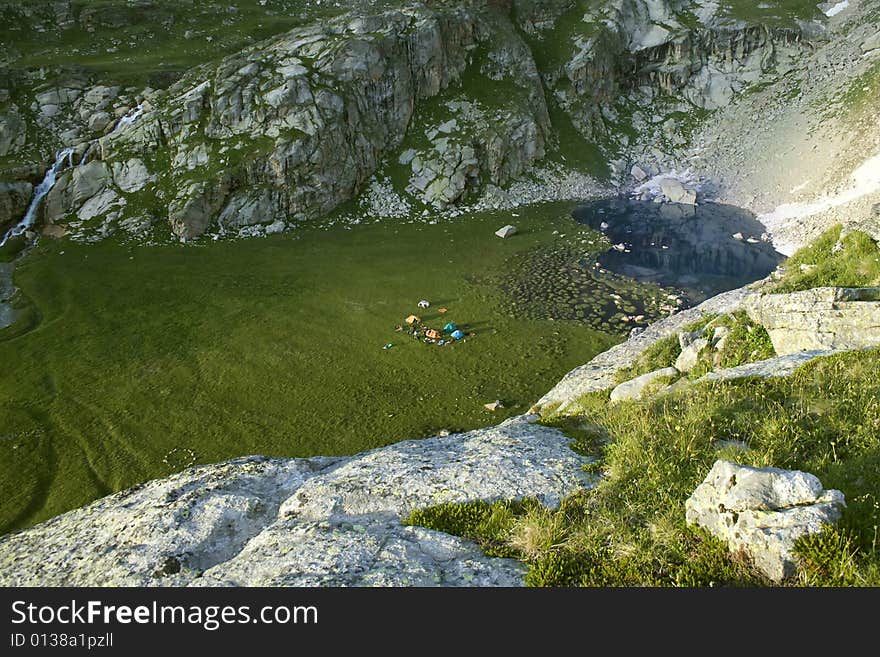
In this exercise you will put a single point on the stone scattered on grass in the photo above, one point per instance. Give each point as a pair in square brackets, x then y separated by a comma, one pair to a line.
[763, 512]
[506, 231]
[690, 355]
[635, 388]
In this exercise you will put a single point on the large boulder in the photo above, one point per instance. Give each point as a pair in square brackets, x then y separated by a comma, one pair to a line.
[193, 210]
[88, 180]
[249, 209]
[303, 522]
[763, 512]
[823, 318]
[131, 175]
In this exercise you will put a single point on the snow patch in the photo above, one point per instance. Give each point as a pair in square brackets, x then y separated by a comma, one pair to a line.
[836, 9]
[865, 180]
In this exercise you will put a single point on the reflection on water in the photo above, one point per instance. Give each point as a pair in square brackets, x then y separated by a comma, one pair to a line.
[691, 248]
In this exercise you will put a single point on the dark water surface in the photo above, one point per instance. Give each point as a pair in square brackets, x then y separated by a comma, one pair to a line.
[690, 248]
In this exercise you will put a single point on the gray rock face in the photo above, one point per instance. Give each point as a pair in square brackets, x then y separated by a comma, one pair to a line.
[689, 356]
[319, 521]
[371, 551]
[645, 52]
[871, 43]
[765, 369]
[824, 318]
[248, 209]
[635, 388]
[599, 373]
[310, 116]
[130, 176]
[763, 511]
[14, 200]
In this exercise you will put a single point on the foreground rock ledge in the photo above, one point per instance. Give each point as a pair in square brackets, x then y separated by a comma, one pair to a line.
[256, 521]
[763, 512]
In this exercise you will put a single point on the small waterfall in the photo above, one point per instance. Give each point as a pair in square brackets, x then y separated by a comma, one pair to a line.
[64, 155]
[129, 118]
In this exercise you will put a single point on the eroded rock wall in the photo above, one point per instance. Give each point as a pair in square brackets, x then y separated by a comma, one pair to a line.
[449, 100]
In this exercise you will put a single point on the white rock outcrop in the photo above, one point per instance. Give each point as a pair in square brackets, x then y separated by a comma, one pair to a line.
[600, 372]
[763, 512]
[822, 318]
[778, 366]
[301, 522]
[635, 388]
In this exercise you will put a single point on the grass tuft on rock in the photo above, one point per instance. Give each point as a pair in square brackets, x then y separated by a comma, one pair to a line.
[835, 259]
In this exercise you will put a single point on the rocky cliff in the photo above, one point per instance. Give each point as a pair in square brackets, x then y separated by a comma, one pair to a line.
[446, 101]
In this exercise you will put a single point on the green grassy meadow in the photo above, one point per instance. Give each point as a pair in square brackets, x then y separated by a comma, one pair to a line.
[147, 358]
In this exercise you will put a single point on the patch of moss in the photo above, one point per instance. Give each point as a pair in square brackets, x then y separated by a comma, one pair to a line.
[486, 524]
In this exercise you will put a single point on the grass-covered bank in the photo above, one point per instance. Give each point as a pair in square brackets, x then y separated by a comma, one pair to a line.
[630, 530]
[147, 358]
[850, 259]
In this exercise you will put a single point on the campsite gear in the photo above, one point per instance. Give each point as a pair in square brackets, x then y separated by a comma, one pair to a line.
[388, 346]
[432, 334]
[443, 311]
[494, 406]
[412, 319]
[424, 303]
[507, 231]
[457, 335]
[450, 327]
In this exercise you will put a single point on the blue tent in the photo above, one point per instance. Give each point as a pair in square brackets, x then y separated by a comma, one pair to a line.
[458, 335]
[450, 327]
